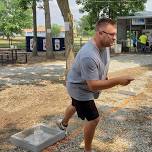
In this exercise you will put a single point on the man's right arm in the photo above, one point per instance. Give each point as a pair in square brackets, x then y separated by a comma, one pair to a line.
[95, 85]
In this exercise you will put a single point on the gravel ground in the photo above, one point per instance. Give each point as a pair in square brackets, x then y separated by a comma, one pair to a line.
[28, 96]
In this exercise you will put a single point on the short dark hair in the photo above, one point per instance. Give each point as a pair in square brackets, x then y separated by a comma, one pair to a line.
[103, 22]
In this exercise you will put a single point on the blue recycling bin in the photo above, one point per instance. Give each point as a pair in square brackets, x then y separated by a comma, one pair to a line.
[58, 44]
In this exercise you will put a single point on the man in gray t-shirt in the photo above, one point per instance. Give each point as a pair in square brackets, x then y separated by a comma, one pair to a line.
[88, 76]
[90, 64]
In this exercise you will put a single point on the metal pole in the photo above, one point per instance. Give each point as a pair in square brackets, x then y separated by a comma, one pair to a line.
[145, 23]
[130, 37]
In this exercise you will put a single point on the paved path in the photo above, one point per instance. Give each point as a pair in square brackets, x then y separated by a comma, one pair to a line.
[129, 61]
[53, 71]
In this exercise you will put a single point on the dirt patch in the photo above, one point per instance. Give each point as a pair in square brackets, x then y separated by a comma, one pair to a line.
[29, 103]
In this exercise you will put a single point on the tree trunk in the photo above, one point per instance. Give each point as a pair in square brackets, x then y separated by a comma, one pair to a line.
[68, 20]
[49, 47]
[34, 52]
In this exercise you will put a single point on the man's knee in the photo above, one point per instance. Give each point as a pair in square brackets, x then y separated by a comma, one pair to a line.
[96, 121]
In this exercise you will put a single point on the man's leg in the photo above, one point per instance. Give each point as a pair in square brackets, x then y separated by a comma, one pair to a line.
[145, 48]
[89, 130]
[69, 112]
[142, 48]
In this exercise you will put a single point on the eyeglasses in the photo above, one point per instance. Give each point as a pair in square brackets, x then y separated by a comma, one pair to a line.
[111, 34]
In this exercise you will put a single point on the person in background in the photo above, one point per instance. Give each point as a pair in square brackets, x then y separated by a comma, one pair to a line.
[88, 76]
[134, 41]
[143, 42]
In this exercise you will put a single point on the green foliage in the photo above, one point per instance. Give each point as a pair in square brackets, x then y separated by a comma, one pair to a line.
[12, 18]
[25, 4]
[111, 8]
[84, 26]
[55, 30]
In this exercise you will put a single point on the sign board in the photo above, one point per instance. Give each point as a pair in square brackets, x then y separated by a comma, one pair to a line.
[57, 44]
[48, 30]
[67, 26]
[138, 21]
[31, 44]
[44, 44]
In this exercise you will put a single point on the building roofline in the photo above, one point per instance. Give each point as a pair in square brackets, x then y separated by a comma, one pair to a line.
[134, 17]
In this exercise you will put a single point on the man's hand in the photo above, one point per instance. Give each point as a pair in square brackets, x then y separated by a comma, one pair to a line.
[125, 80]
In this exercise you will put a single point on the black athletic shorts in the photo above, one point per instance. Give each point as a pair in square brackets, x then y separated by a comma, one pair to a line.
[85, 109]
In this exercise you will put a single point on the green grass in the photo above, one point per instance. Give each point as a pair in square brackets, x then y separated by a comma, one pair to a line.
[17, 41]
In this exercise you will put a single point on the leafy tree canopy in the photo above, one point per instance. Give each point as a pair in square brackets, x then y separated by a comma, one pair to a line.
[84, 27]
[55, 30]
[110, 8]
[12, 18]
[25, 4]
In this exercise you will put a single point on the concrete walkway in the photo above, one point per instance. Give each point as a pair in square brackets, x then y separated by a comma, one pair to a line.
[124, 61]
[53, 71]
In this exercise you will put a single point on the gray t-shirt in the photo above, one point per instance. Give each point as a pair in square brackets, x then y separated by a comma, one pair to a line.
[90, 64]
